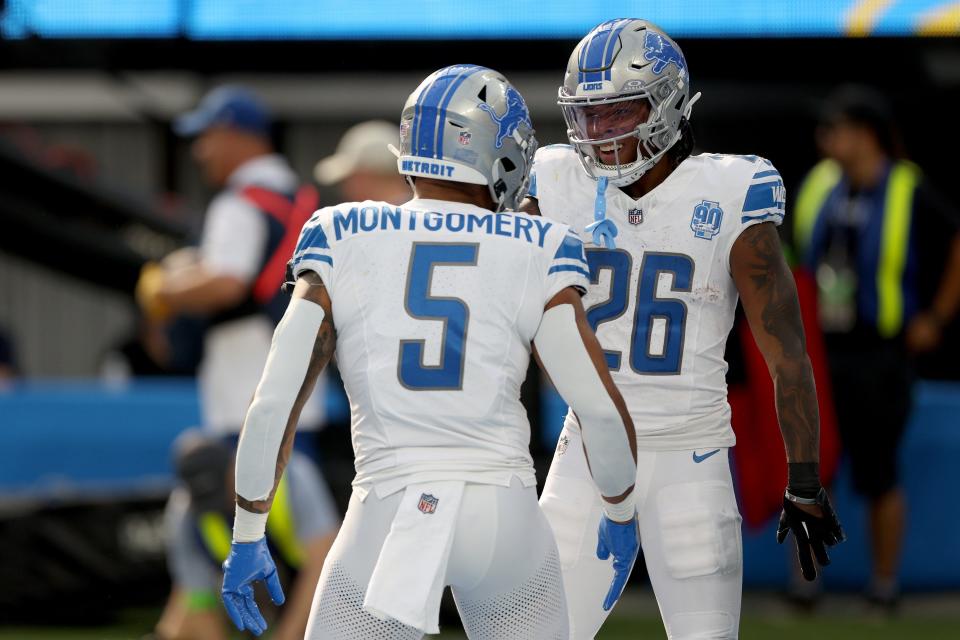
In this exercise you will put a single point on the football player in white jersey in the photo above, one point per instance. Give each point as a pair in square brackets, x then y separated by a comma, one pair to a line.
[677, 238]
[433, 309]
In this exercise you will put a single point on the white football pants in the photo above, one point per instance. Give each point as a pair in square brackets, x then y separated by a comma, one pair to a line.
[503, 570]
[689, 531]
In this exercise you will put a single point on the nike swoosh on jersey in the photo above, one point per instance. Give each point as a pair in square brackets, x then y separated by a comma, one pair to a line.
[699, 459]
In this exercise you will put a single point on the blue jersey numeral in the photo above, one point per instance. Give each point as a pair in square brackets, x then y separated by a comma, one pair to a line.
[453, 312]
[650, 309]
[619, 264]
[670, 310]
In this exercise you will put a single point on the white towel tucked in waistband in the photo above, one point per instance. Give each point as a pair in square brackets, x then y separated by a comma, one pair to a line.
[409, 577]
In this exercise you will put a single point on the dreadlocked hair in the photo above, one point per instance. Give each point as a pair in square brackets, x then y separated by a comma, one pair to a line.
[684, 146]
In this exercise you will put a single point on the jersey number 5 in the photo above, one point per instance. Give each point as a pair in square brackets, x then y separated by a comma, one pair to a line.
[645, 357]
[452, 312]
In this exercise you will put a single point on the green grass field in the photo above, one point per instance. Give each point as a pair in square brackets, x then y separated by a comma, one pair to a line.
[820, 628]
[762, 620]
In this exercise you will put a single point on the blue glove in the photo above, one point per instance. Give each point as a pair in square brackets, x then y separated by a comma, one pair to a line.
[247, 563]
[623, 542]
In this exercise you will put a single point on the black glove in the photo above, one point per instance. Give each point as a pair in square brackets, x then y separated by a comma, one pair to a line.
[812, 533]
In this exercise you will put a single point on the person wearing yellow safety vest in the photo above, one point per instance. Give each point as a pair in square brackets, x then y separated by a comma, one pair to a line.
[885, 253]
[198, 523]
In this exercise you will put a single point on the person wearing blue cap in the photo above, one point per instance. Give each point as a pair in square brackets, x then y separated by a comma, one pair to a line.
[233, 280]
[228, 106]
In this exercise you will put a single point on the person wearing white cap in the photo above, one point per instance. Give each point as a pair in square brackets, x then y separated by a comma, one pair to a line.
[363, 167]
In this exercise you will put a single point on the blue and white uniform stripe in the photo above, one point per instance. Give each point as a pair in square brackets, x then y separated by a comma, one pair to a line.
[766, 196]
[570, 256]
[312, 245]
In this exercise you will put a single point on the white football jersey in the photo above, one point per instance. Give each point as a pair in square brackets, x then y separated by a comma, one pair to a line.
[663, 302]
[435, 305]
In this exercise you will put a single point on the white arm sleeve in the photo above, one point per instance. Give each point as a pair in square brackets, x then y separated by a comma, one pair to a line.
[267, 417]
[568, 364]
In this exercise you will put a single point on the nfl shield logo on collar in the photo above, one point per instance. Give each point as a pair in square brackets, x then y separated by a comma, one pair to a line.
[428, 503]
[635, 216]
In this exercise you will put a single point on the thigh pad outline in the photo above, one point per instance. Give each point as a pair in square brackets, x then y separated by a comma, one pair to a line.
[699, 528]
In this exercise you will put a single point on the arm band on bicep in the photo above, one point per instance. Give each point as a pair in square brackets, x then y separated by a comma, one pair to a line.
[273, 401]
[568, 364]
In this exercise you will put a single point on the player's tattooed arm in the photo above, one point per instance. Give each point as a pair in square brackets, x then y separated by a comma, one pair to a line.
[530, 206]
[769, 296]
[310, 287]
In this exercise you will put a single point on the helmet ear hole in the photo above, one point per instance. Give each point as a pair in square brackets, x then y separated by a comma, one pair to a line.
[483, 94]
[507, 164]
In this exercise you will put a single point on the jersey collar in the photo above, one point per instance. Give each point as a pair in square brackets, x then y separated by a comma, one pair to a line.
[672, 187]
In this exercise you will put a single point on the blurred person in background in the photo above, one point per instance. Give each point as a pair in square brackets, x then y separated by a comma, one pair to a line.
[160, 345]
[363, 167]
[233, 278]
[885, 251]
[198, 523]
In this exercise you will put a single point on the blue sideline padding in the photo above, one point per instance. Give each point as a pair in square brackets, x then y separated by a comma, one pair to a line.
[64, 440]
[69, 439]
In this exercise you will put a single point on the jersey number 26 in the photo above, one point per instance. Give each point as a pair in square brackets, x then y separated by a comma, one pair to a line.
[645, 357]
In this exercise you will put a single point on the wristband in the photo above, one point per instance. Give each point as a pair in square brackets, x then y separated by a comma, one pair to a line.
[623, 511]
[248, 526]
[803, 479]
[797, 500]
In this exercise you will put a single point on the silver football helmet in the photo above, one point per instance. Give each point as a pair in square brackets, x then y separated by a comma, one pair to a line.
[466, 123]
[627, 80]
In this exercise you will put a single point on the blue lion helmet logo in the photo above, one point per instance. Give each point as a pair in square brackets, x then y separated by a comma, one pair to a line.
[660, 50]
[515, 115]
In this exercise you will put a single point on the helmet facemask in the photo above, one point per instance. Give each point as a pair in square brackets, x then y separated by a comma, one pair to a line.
[626, 60]
[592, 125]
[504, 167]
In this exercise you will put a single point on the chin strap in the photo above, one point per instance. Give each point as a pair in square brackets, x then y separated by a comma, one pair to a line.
[603, 230]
